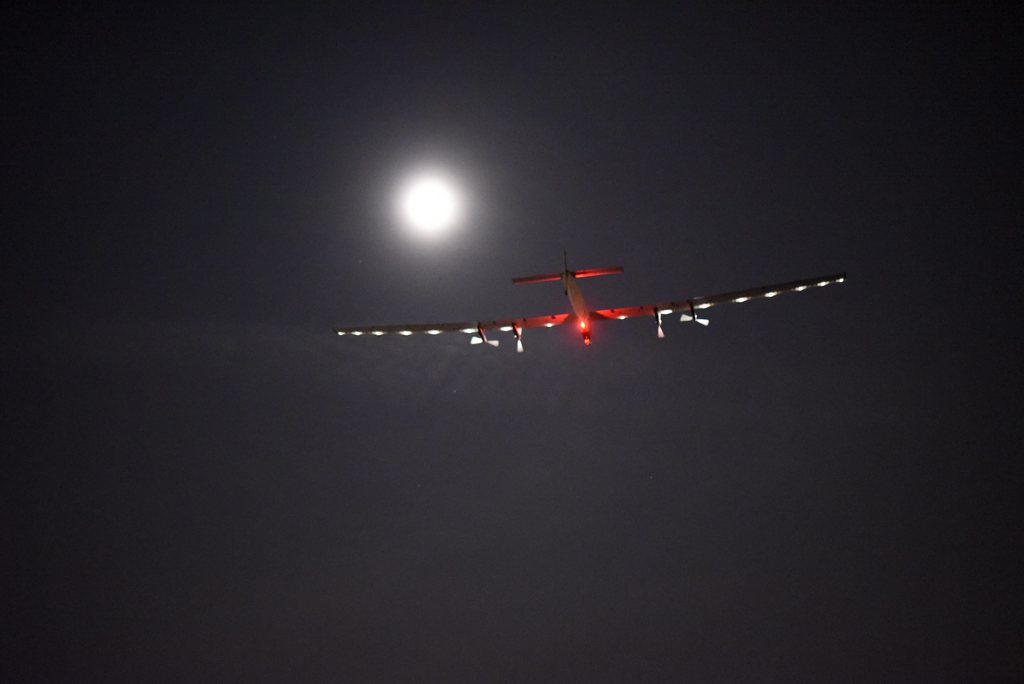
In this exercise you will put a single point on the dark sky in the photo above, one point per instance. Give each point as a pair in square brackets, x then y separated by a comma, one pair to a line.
[202, 483]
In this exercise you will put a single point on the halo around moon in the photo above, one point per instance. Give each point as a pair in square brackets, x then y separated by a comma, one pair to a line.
[429, 204]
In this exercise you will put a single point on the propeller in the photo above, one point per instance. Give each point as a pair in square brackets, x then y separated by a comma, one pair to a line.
[692, 316]
[519, 337]
[661, 332]
[482, 338]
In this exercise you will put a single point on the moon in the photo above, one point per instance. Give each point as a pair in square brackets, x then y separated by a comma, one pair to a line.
[430, 205]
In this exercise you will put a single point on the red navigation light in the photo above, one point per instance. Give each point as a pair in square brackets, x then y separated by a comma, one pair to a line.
[586, 338]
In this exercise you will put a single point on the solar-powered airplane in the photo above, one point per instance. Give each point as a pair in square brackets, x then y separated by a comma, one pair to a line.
[582, 317]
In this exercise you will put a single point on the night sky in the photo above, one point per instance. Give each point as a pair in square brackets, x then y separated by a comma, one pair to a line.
[203, 483]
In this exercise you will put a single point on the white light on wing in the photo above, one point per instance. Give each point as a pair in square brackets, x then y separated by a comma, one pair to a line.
[801, 288]
[665, 312]
[622, 318]
[378, 333]
[703, 306]
[841, 280]
[505, 328]
[549, 325]
[433, 332]
[823, 283]
[357, 332]
[405, 332]
[740, 300]
[341, 332]
[469, 330]
[770, 294]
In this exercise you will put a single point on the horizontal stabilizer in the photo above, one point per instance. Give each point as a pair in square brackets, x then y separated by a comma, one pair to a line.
[536, 278]
[591, 272]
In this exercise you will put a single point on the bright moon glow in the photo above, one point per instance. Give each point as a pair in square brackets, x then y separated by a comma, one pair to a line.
[430, 205]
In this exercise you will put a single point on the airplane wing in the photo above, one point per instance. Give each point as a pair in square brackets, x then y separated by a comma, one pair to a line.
[471, 327]
[690, 307]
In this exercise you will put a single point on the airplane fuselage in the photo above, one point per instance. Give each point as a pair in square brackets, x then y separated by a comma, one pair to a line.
[578, 304]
